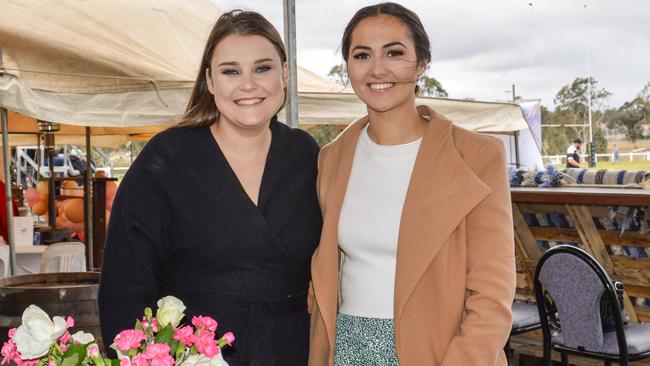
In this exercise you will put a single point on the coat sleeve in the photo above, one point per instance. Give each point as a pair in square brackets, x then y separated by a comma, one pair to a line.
[491, 273]
[135, 241]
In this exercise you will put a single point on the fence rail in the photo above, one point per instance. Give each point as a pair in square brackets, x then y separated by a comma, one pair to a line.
[631, 156]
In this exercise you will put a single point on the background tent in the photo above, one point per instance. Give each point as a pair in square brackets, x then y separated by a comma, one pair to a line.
[132, 63]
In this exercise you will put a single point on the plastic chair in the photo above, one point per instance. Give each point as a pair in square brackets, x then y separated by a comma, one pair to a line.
[66, 253]
[569, 287]
[4, 258]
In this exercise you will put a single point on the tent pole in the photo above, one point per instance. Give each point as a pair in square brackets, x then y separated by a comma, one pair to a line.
[290, 41]
[8, 199]
[88, 212]
[7, 174]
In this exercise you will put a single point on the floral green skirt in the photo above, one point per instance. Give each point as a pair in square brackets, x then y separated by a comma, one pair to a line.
[364, 341]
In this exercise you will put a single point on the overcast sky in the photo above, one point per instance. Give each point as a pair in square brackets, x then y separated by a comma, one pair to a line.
[480, 48]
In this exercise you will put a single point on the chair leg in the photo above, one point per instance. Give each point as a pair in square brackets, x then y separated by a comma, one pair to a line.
[547, 355]
[565, 359]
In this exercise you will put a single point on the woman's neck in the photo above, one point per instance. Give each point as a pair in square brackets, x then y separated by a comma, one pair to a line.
[398, 126]
[242, 143]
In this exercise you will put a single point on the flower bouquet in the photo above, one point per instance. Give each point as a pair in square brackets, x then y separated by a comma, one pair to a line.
[154, 341]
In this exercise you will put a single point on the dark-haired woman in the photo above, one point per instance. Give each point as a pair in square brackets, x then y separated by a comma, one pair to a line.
[221, 211]
[416, 260]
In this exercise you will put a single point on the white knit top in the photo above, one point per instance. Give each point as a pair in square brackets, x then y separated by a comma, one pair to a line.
[369, 225]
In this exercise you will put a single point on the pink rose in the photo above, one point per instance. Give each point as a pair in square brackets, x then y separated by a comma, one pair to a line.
[206, 344]
[139, 360]
[63, 346]
[69, 322]
[51, 363]
[129, 339]
[229, 337]
[156, 349]
[185, 335]
[11, 332]
[8, 351]
[125, 362]
[205, 322]
[154, 325]
[162, 360]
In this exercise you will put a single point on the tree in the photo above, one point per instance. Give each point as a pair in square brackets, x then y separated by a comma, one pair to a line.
[323, 134]
[631, 116]
[574, 98]
[339, 74]
[431, 87]
[645, 93]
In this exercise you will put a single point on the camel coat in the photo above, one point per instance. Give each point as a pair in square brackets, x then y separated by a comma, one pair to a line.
[455, 273]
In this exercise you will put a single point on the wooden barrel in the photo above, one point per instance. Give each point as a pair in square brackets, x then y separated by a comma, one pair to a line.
[58, 294]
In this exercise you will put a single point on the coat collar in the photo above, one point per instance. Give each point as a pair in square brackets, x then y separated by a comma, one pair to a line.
[442, 191]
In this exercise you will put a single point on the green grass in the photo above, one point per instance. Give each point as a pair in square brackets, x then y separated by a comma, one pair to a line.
[626, 165]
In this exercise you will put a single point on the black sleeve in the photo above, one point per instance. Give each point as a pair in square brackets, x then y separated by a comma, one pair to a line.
[135, 242]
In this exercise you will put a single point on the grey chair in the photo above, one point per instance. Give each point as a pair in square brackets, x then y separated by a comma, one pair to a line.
[525, 318]
[570, 288]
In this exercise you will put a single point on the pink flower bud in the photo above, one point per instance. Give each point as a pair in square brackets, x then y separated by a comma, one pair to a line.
[69, 322]
[229, 337]
[92, 350]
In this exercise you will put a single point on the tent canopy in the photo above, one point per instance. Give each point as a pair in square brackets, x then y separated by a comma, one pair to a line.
[132, 64]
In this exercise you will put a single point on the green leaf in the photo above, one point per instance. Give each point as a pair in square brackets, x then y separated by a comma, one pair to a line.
[179, 350]
[111, 362]
[138, 325]
[75, 355]
[173, 345]
[165, 335]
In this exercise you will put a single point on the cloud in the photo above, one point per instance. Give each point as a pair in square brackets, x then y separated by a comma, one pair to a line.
[480, 48]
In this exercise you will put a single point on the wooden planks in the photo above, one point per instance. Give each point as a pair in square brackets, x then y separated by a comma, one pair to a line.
[581, 207]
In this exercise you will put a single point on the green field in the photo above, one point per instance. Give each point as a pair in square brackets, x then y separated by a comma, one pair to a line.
[627, 165]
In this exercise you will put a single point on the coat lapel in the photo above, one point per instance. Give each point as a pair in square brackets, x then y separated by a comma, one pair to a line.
[443, 190]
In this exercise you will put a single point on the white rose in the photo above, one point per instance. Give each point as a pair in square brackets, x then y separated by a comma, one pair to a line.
[200, 360]
[170, 311]
[83, 337]
[37, 333]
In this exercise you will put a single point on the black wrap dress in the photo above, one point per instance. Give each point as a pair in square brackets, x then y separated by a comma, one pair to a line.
[182, 225]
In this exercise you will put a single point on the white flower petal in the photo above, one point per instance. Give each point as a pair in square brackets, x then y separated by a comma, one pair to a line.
[59, 328]
[37, 323]
[28, 346]
[83, 337]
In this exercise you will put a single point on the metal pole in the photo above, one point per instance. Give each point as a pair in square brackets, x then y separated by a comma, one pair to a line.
[88, 211]
[8, 198]
[592, 155]
[290, 41]
[517, 159]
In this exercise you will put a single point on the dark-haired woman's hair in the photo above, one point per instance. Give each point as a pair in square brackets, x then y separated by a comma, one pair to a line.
[201, 110]
[406, 16]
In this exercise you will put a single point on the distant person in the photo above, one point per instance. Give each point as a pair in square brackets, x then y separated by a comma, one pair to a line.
[573, 154]
[616, 155]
